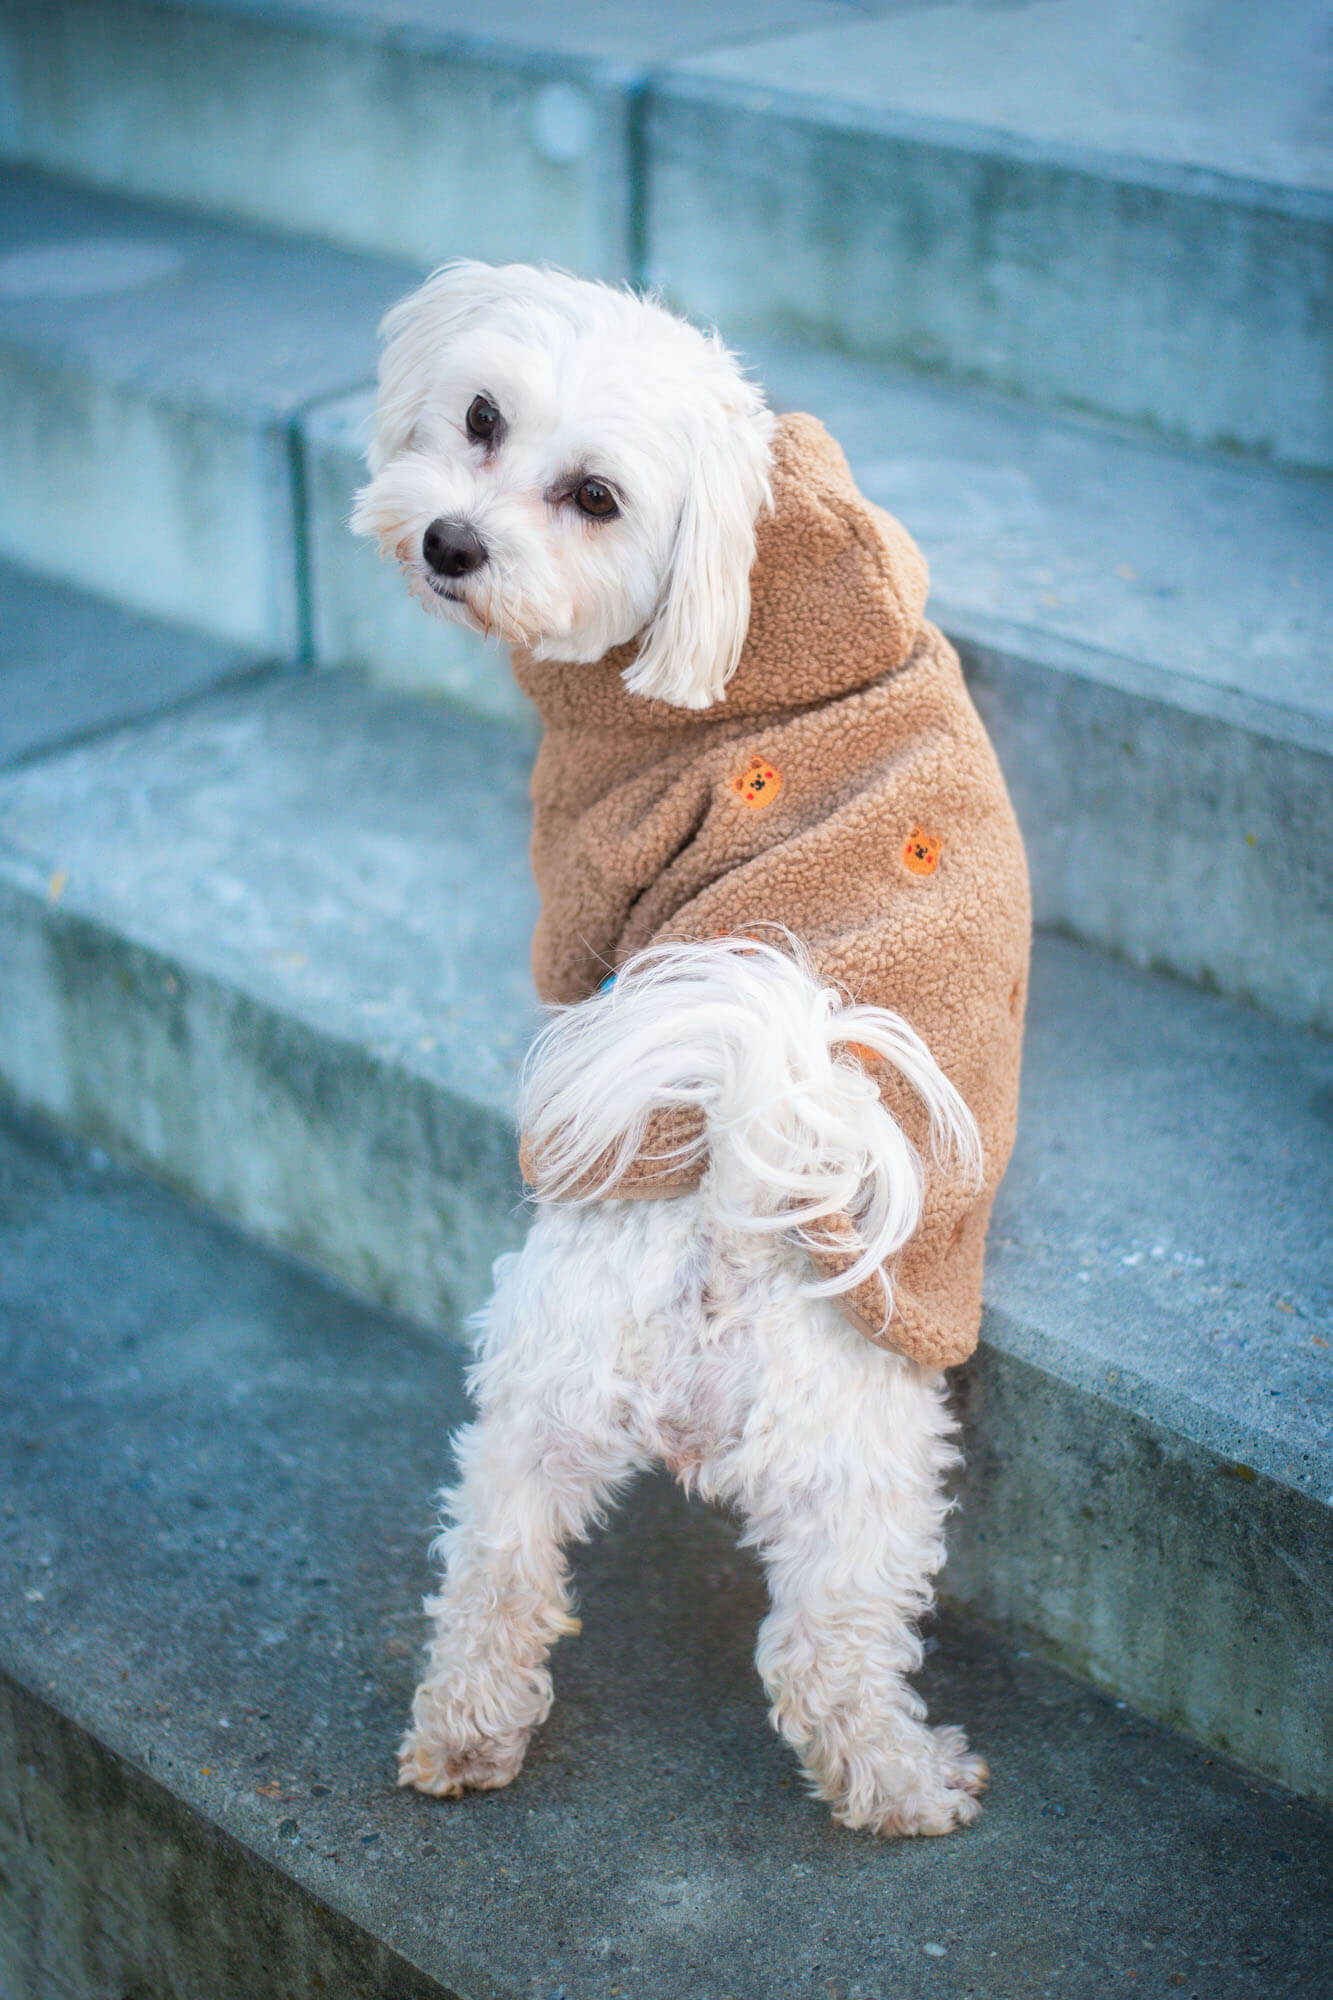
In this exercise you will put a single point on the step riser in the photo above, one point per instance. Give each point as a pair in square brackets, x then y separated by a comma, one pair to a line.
[400, 1189]
[382, 145]
[101, 1862]
[1178, 840]
[179, 512]
[1151, 831]
[406, 1194]
[1192, 1587]
[1184, 301]
[1200, 316]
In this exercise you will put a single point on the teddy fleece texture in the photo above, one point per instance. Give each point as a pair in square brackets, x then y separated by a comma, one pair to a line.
[843, 787]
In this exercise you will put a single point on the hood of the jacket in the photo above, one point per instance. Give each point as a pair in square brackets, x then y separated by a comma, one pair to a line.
[837, 597]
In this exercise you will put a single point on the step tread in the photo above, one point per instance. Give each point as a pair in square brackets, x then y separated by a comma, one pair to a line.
[217, 1473]
[1180, 576]
[358, 862]
[622, 35]
[1198, 580]
[211, 314]
[72, 665]
[1155, 83]
[982, 235]
[1149, 82]
[1184, 578]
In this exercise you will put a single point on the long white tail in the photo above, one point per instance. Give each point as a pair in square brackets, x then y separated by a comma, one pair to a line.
[794, 1127]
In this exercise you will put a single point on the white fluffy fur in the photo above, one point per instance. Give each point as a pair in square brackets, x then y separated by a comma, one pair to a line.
[687, 1331]
[589, 381]
[632, 1332]
[744, 1033]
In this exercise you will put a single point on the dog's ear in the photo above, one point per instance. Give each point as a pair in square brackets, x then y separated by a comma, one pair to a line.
[692, 645]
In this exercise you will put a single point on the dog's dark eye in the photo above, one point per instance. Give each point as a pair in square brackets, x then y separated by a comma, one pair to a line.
[483, 419]
[595, 499]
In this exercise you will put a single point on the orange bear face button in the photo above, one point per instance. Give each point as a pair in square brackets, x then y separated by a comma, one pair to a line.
[758, 784]
[921, 852]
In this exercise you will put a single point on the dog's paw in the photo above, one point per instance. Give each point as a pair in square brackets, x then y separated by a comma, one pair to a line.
[944, 1793]
[962, 1768]
[447, 1769]
[932, 1792]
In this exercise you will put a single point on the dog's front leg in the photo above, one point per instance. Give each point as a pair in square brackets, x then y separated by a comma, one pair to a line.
[848, 1516]
[546, 1451]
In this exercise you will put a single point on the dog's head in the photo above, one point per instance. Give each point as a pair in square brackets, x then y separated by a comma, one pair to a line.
[570, 467]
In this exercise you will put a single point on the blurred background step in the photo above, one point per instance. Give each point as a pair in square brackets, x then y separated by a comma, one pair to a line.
[1145, 631]
[209, 1623]
[1129, 211]
[274, 946]
[73, 666]
[153, 367]
[421, 129]
[1126, 210]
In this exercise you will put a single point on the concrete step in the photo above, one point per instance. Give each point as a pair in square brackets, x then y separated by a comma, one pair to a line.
[72, 667]
[274, 947]
[216, 1480]
[1129, 210]
[1145, 631]
[153, 370]
[414, 129]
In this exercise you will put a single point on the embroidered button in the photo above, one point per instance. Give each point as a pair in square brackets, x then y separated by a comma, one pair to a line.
[758, 784]
[921, 852]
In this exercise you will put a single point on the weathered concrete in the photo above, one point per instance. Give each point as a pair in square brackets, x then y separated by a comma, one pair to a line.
[1130, 211]
[1205, 84]
[1212, 572]
[72, 666]
[152, 367]
[786, 193]
[321, 1039]
[216, 1475]
[423, 138]
[1144, 630]
[285, 968]
[1177, 839]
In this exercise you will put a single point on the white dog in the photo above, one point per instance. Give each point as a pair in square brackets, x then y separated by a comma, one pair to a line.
[575, 470]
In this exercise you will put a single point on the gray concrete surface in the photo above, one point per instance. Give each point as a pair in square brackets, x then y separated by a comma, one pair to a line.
[623, 34]
[412, 137]
[275, 947]
[1207, 84]
[73, 666]
[1128, 209]
[320, 962]
[215, 1504]
[1145, 630]
[1190, 303]
[1210, 575]
[152, 367]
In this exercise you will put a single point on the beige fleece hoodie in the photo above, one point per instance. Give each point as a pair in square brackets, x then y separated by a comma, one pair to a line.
[843, 787]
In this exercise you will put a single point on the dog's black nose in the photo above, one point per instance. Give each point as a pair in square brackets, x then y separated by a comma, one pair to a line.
[452, 548]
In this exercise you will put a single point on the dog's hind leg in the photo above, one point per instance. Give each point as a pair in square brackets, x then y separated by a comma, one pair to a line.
[847, 1512]
[547, 1450]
